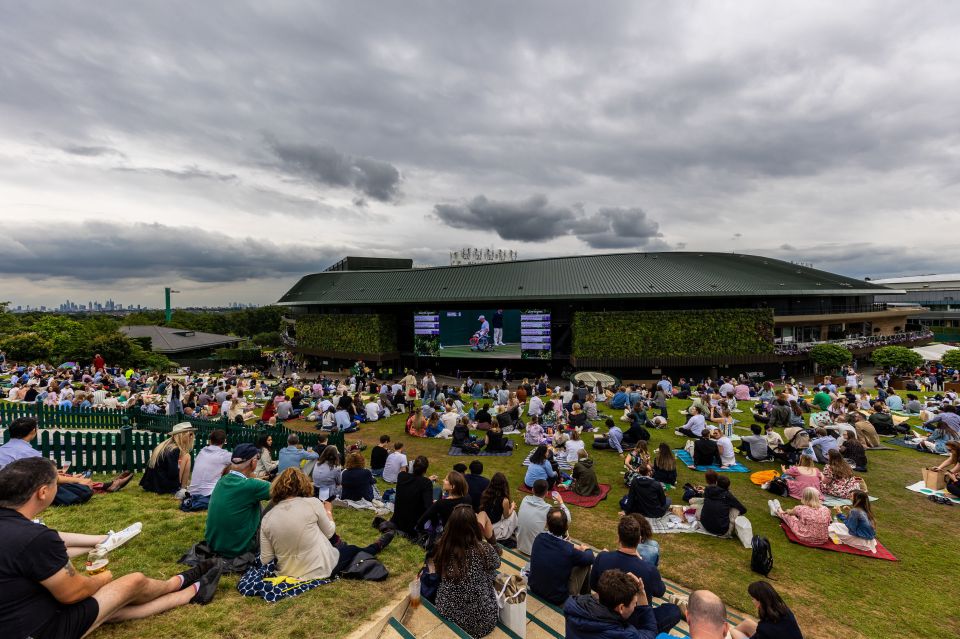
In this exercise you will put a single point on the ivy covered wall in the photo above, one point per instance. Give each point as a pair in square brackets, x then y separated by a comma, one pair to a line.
[621, 334]
[358, 334]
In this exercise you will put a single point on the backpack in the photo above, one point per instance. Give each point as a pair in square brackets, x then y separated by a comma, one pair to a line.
[761, 558]
[366, 567]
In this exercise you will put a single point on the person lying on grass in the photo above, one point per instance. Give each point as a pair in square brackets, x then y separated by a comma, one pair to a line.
[43, 595]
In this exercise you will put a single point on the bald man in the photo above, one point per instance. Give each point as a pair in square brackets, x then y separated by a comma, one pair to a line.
[706, 616]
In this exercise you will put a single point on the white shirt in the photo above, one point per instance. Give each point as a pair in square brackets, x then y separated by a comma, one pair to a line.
[449, 420]
[573, 447]
[536, 406]
[696, 424]
[395, 463]
[207, 469]
[725, 446]
[373, 411]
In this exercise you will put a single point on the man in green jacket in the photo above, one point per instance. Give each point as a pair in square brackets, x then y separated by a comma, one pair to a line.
[233, 517]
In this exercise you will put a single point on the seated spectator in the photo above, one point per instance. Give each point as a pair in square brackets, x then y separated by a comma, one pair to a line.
[755, 446]
[837, 478]
[696, 423]
[822, 444]
[416, 424]
[500, 510]
[294, 455]
[395, 462]
[625, 558]
[466, 565]
[645, 496]
[495, 442]
[883, 422]
[585, 481]
[720, 508]
[379, 454]
[476, 483]
[913, 405]
[327, 474]
[345, 422]
[894, 402]
[802, 476]
[612, 440]
[665, 465]
[648, 548]
[534, 435]
[483, 418]
[414, 496]
[233, 516]
[705, 450]
[43, 596]
[266, 467]
[207, 470]
[707, 616]
[558, 567]
[299, 532]
[435, 428]
[590, 408]
[637, 431]
[856, 526]
[621, 610]
[853, 451]
[456, 492]
[572, 446]
[620, 399]
[540, 467]
[809, 521]
[168, 470]
[724, 448]
[532, 515]
[774, 619]
[866, 433]
[356, 482]
[462, 438]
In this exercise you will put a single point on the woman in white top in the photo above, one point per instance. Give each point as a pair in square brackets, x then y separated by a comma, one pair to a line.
[573, 446]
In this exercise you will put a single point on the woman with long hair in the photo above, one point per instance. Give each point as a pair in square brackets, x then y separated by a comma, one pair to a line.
[326, 474]
[499, 509]
[416, 424]
[803, 475]
[857, 526]
[540, 467]
[951, 468]
[775, 619]
[455, 492]
[466, 566]
[838, 479]
[168, 470]
[665, 465]
[267, 466]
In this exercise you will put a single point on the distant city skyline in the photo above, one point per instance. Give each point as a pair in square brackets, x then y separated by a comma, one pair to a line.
[112, 306]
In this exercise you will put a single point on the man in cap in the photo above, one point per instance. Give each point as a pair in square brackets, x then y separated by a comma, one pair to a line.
[233, 516]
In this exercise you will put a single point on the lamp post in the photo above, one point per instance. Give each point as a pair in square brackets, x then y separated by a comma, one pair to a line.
[167, 291]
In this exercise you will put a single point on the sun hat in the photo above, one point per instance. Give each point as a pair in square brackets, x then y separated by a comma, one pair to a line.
[182, 427]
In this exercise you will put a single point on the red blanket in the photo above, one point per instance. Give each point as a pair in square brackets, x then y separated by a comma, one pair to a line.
[571, 498]
[882, 553]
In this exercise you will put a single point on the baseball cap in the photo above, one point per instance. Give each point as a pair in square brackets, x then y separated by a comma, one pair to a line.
[244, 452]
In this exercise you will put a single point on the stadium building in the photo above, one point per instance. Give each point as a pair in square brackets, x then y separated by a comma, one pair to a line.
[631, 313]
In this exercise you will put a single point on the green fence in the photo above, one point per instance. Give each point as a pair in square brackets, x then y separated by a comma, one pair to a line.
[52, 417]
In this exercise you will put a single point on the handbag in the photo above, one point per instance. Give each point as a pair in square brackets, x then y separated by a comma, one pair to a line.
[512, 601]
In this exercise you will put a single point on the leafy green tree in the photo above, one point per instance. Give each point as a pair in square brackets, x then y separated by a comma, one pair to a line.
[830, 357]
[9, 324]
[26, 347]
[951, 359]
[269, 338]
[900, 357]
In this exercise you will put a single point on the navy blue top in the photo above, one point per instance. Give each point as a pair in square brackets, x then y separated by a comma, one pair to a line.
[551, 561]
[647, 572]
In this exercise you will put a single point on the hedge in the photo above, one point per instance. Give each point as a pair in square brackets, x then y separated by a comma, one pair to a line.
[361, 334]
[695, 333]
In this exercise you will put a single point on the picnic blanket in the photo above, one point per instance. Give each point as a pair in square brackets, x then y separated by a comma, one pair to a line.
[882, 553]
[571, 498]
[832, 502]
[685, 457]
[896, 441]
[562, 462]
[671, 523]
[458, 452]
[921, 488]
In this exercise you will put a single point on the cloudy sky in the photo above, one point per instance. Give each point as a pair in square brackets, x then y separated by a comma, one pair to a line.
[226, 148]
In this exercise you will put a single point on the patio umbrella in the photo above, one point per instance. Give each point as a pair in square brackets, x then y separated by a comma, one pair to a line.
[68, 365]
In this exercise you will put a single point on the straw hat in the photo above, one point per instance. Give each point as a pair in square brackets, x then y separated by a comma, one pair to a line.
[183, 427]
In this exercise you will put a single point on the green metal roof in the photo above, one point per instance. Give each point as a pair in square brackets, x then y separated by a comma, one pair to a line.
[582, 277]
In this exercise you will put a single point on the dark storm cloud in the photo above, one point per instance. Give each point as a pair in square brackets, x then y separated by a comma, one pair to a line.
[106, 252]
[535, 219]
[325, 166]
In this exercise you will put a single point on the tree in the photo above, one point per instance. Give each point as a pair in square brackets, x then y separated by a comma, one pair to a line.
[26, 347]
[951, 359]
[830, 357]
[899, 357]
[9, 324]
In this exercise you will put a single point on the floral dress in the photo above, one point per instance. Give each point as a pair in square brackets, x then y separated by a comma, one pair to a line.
[809, 524]
[471, 602]
[843, 488]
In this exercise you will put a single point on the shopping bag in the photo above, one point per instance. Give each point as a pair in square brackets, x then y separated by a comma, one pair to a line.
[512, 600]
[933, 479]
[744, 530]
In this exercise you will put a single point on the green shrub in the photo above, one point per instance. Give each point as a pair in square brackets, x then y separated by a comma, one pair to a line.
[951, 359]
[723, 332]
[269, 338]
[238, 354]
[26, 347]
[830, 357]
[900, 357]
[355, 334]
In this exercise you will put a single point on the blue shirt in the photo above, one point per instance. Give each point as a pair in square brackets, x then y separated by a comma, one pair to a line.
[644, 570]
[16, 449]
[291, 456]
[826, 443]
[894, 402]
[343, 419]
[619, 400]
[858, 524]
[538, 471]
[615, 439]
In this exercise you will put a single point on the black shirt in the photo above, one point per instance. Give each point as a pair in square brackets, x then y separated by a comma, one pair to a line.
[483, 417]
[786, 628]
[705, 452]
[414, 496]
[715, 514]
[357, 484]
[495, 441]
[476, 485]
[31, 553]
[646, 497]
[164, 478]
[378, 457]
[441, 510]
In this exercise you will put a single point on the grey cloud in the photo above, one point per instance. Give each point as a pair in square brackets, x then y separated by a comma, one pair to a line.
[535, 218]
[107, 252]
[92, 151]
[186, 173]
[861, 259]
[326, 166]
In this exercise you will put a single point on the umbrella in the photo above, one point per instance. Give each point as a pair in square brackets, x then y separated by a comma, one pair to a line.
[68, 365]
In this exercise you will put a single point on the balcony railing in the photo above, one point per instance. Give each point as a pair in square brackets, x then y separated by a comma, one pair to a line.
[829, 309]
[855, 343]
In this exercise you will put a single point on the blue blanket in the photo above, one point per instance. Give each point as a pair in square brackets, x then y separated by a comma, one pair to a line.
[685, 457]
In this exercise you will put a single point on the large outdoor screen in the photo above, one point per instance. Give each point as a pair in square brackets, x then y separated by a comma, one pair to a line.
[493, 333]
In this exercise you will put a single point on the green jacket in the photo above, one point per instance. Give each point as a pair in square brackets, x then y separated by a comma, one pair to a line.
[585, 478]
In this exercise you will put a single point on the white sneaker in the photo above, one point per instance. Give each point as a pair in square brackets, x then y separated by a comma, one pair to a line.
[181, 494]
[774, 505]
[116, 539]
